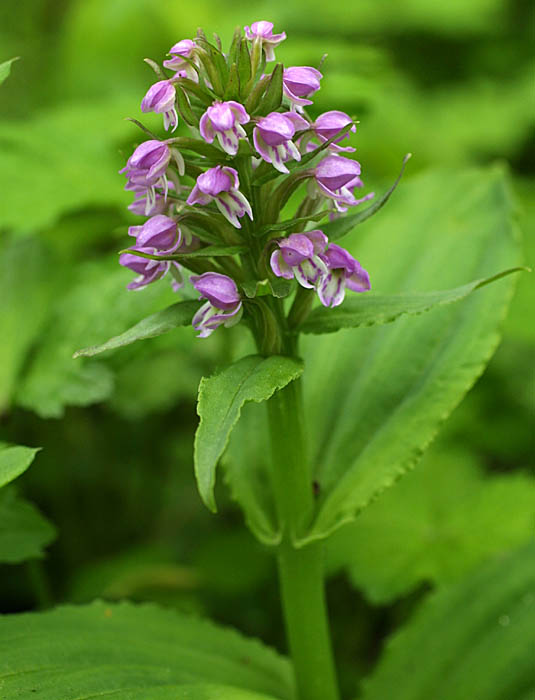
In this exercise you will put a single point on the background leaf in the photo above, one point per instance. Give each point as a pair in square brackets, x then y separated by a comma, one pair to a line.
[168, 319]
[471, 640]
[406, 378]
[376, 309]
[24, 532]
[14, 460]
[440, 522]
[221, 398]
[5, 69]
[96, 307]
[119, 649]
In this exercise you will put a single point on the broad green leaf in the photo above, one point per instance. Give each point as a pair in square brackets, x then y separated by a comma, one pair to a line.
[221, 397]
[129, 651]
[14, 460]
[246, 466]
[5, 68]
[24, 532]
[340, 227]
[377, 396]
[377, 309]
[27, 290]
[439, 523]
[179, 314]
[63, 179]
[471, 640]
[97, 306]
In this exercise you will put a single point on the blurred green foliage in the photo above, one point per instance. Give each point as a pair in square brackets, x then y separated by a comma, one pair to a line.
[452, 83]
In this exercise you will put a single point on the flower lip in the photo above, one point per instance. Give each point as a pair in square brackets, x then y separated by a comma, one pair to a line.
[220, 290]
[334, 172]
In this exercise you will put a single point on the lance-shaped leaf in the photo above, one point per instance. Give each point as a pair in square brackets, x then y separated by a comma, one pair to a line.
[291, 224]
[376, 309]
[221, 397]
[272, 98]
[5, 68]
[24, 532]
[471, 640]
[130, 651]
[440, 522]
[14, 460]
[168, 319]
[213, 251]
[340, 227]
[377, 396]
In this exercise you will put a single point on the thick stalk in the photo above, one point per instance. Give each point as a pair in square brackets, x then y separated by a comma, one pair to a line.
[300, 570]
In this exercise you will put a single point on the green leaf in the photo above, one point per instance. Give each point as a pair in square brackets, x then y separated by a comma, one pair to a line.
[232, 88]
[134, 651]
[472, 640]
[449, 518]
[96, 306]
[172, 317]
[27, 290]
[221, 397]
[377, 396]
[5, 68]
[97, 128]
[272, 98]
[377, 309]
[24, 532]
[244, 63]
[340, 227]
[246, 465]
[211, 251]
[291, 223]
[14, 460]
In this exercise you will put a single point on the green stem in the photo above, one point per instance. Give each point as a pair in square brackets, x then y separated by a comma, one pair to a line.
[300, 570]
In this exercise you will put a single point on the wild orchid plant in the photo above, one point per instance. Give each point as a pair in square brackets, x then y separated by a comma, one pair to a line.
[239, 204]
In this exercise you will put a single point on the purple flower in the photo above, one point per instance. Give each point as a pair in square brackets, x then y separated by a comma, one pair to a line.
[224, 306]
[263, 31]
[329, 124]
[343, 271]
[273, 135]
[160, 98]
[224, 120]
[183, 49]
[146, 169]
[300, 256]
[298, 83]
[221, 185]
[147, 164]
[159, 233]
[336, 177]
[148, 270]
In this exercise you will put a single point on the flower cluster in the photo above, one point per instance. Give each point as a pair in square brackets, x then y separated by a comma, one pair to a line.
[214, 198]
